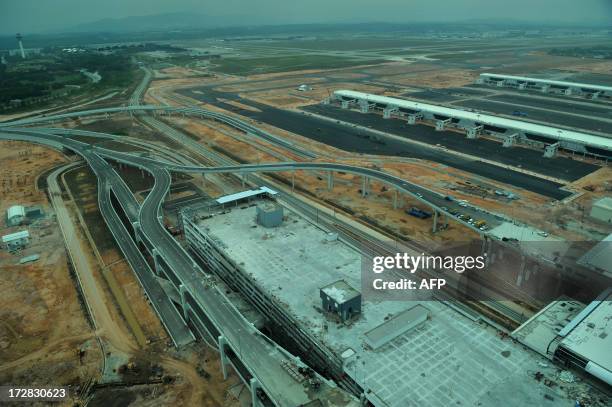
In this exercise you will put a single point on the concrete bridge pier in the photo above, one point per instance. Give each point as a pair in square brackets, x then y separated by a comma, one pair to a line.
[184, 304]
[156, 264]
[398, 199]
[473, 132]
[292, 181]
[441, 124]
[330, 180]
[365, 186]
[388, 111]
[550, 151]
[365, 106]
[346, 103]
[509, 140]
[434, 227]
[222, 343]
[412, 118]
[254, 386]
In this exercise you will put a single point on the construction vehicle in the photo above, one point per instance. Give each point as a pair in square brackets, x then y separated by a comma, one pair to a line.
[418, 213]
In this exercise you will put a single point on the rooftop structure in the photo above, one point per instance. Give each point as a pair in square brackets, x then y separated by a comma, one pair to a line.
[602, 209]
[587, 339]
[15, 215]
[16, 240]
[398, 352]
[340, 298]
[544, 84]
[239, 196]
[474, 122]
[577, 335]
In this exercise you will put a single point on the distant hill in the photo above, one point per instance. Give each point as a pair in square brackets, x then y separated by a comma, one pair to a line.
[159, 22]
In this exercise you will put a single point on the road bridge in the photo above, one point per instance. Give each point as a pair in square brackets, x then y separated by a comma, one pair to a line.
[260, 360]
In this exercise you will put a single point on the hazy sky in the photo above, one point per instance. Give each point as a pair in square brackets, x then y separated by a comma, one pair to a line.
[30, 16]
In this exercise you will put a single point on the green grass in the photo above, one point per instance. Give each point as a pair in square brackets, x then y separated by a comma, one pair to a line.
[249, 66]
[352, 44]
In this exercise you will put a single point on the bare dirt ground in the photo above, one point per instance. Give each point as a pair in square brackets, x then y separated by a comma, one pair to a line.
[42, 322]
[45, 337]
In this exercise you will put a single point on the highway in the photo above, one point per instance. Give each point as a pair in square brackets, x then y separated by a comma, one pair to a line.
[191, 111]
[262, 356]
[170, 318]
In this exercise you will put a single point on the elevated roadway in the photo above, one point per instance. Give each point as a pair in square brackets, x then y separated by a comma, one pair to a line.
[261, 357]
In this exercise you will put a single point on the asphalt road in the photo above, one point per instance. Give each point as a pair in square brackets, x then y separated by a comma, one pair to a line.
[538, 114]
[360, 141]
[581, 107]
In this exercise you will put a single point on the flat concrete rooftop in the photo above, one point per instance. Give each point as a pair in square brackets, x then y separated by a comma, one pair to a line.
[446, 360]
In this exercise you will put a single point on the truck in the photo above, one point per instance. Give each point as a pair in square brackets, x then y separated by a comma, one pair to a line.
[480, 223]
[418, 213]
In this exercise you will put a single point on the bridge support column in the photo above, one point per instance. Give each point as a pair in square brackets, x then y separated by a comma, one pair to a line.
[388, 111]
[473, 132]
[522, 86]
[345, 104]
[365, 106]
[412, 118]
[136, 226]
[184, 303]
[330, 180]
[222, 342]
[397, 199]
[545, 88]
[156, 265]
[365, 186]
[292, 181]
[254, 387]
[551, 150]
[509, 140]
[441, 124]
[434, 228]
[568, 91]
[243, 179]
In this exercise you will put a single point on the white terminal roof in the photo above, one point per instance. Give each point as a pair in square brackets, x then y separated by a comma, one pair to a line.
[549, 82]
[14, 236]
[532, 128]
[15, 210]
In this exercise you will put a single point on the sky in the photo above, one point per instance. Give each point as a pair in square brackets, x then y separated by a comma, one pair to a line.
[40, 16]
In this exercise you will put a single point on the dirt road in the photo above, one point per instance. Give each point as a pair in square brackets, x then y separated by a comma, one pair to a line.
[96, 299]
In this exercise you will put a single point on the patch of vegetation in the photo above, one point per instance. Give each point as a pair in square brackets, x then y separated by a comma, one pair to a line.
[56, 74]
[248, 66]
[350, 44]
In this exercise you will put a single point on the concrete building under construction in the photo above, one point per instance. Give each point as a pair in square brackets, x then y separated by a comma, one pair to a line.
[308, 286]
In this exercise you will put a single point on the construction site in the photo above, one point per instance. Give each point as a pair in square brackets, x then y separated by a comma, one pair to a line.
[208, 240]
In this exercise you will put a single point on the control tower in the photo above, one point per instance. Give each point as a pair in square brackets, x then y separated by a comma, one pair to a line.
[19, 39]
